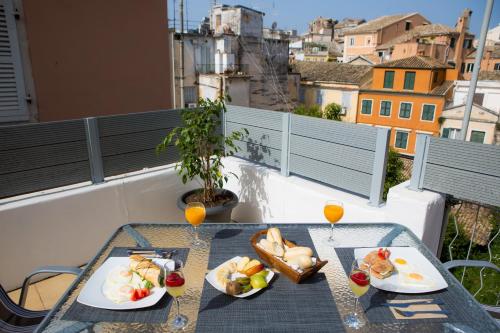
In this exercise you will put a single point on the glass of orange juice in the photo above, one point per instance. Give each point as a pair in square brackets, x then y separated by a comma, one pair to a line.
[195, 215]
[333, 210]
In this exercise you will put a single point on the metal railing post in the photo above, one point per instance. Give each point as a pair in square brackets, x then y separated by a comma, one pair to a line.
[418, 170]
[94, 150]
[379, 166]
[285, 143]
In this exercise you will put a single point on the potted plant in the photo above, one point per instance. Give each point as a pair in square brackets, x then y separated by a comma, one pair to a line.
[201, 148]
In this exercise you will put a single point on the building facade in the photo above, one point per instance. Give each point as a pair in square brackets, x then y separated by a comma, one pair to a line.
[493, 36]
[407, 96]
[325, 83]
[365, 38]
[489, 63]
[71, 61]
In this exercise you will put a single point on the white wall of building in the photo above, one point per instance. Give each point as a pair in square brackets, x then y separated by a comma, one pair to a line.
[490, 89]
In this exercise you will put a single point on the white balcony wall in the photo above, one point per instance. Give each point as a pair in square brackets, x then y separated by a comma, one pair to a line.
[67, 227]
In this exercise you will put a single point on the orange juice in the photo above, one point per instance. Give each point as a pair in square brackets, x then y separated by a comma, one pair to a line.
[195, 215]
[333, 213]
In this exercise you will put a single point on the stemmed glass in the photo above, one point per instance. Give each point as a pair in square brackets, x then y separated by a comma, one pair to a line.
[195, 215]
[359, 282]
[175, 283]
[333, 210]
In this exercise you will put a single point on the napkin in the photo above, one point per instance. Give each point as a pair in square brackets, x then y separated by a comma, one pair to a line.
[418, 307]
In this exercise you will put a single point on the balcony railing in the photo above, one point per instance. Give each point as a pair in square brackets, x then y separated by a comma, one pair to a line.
[222, 68]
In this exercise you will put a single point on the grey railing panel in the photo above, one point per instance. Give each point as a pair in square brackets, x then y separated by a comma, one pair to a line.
[139, 122]
[22, 182]
[259, 154]
[354, 181]
[463, 184]
[255, 117]
[358, 136]
[257, 135]
[36, 157]
[263, 142]
[471, 156]
[128, 141]
[332, 153]
[35, 135]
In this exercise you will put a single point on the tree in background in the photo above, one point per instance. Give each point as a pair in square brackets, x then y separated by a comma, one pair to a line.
[332, 112]
[394, 173]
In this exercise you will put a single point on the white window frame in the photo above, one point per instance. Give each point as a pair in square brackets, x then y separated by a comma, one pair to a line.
[399, 110]
[422, 113]
[407, 131]
[361, 109]
[351, 41]
[380, 109]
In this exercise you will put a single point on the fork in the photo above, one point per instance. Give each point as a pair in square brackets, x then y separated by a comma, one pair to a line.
[412, 313]
[153, 253]
[406, 305]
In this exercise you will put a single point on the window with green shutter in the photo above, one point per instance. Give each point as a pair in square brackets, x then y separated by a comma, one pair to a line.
[446, 133]
[389, 79]
[385, 108]
[477, 136]
[409, 80]
[405, 110]
[428, 112]
[401, 140]
[366, 106]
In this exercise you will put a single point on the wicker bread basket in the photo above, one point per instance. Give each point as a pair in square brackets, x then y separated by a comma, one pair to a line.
[282, 266]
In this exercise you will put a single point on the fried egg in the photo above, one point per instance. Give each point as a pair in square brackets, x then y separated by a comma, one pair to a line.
[414, 279]
[120, 284]
[402, 265]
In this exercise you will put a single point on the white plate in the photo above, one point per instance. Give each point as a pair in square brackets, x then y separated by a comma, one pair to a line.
[92, 294]
[213, 281]
[419, 264]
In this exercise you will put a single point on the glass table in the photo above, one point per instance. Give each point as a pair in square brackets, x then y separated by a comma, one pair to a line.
[196, 266]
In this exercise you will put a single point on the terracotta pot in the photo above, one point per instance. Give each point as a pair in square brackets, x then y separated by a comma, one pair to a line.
[217, 214]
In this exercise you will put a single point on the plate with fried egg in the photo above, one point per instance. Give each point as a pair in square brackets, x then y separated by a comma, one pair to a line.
[410, 273]
[113, 283]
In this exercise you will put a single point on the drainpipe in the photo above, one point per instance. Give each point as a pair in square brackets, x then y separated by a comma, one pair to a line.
[172, 55]
[475, 71]
[182, 55]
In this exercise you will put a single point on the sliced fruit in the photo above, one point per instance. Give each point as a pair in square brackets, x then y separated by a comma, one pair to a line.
[246, 288]
[258, 281]
[360, 278]
[233, 288]
[254, 269]
[253, 262]
[240, 267]
[263, 273]
[243, 280]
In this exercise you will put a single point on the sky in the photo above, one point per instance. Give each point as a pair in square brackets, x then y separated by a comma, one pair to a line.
[296, 14]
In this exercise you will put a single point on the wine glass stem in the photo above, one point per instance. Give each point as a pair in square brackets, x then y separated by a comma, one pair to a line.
[196, 236]
[355, 306]
[331, 232]
[178, 306]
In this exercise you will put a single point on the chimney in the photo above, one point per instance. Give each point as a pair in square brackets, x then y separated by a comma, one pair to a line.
[462, 27]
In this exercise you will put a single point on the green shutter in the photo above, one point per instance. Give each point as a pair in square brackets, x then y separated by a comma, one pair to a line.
[366, 107]
[401, 140]
[409, 80]
[428, 112]
[385, 108]
[446, 133]
[477, 136]
[389, 79]
[405, 110]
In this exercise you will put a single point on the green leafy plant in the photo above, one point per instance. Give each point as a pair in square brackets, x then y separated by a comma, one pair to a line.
[394, 172]
[311, 111]
[332, 111]
[201, 146]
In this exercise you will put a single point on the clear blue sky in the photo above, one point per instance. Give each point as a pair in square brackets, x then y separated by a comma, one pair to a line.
[295, 14]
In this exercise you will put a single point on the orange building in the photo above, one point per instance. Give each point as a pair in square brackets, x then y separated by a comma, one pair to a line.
[407, 95]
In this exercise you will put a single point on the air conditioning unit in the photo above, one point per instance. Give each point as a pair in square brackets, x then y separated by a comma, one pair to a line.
[343, 112]
[192, 105]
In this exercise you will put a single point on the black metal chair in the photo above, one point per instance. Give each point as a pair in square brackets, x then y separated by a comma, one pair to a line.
[14, 318]
[494, 311]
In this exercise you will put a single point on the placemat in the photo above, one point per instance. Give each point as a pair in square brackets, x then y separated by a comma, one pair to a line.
[379, 314]
[155, 314]
[282, 306]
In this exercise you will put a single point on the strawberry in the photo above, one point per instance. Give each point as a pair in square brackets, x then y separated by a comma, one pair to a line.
[174, 280]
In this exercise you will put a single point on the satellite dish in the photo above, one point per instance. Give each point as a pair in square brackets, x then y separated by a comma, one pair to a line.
[274, 25]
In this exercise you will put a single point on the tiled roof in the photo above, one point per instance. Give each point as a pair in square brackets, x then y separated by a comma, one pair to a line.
[426, 30]
[378, 23]
[494, 49]
[443, 88]
[492, 75]
[415, 62]
[331, 71]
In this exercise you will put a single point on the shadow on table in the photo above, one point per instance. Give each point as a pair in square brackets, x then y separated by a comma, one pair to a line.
[227, 233]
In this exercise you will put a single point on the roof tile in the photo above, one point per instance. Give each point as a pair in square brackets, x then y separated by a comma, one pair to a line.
[377, 24]
[331, 71]
[415, 62]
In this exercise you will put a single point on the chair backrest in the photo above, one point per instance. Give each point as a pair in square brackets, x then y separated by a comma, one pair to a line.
[13, 318]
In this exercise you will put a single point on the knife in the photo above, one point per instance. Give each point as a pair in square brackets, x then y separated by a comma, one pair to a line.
[405, 305]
